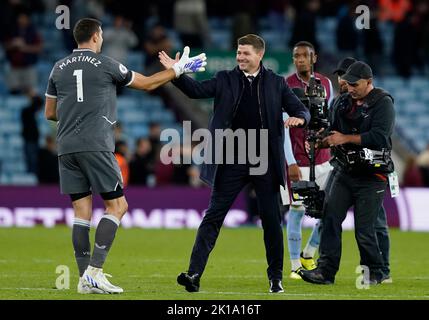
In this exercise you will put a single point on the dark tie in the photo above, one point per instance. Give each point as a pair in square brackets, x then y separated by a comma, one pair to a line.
[250, 78]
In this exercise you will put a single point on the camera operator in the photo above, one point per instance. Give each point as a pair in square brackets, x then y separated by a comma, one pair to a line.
[364, 118]
[381, 227]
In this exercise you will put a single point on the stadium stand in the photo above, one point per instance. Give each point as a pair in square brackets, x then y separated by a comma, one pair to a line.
[137, 109]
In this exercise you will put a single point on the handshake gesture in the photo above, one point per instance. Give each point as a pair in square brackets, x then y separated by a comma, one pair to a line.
[185, 64]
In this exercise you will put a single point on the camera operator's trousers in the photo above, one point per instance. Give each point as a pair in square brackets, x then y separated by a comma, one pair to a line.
[230, 180]
[365, 194]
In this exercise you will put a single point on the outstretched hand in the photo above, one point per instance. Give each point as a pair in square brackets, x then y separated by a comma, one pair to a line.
[185, 64]
[166, 61]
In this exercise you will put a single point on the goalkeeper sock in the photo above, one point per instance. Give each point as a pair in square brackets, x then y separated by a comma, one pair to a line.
[104, 236]
[293, 229]
[81, 244]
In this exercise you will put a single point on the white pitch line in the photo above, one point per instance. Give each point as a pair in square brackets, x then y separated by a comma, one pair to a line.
[157, 275]
[42, 260]
[26, 275]
[30, 289]
[309, 295]
[254, 294]
[161, 275]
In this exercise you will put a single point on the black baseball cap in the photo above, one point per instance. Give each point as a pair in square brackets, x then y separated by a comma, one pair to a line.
[357, 70]
[343, 65]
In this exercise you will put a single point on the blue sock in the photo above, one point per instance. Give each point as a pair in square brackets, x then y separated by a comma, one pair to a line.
[315, 235]
[294, 235]
[313, 243]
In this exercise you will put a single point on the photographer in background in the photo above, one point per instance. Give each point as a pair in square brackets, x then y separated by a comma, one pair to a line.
[364, 118]
[298, 163]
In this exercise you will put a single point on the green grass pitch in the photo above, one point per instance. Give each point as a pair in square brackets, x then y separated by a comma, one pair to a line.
[146, 262]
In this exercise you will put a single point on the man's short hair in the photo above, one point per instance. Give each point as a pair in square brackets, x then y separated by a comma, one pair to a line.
[305, 44]
[252, 39]
[85, 28]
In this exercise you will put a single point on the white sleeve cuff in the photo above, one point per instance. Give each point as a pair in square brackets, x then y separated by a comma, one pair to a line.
[132, 78]
[50, 96]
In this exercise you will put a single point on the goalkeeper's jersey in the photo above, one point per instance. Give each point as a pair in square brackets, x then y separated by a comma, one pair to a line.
[84, 84]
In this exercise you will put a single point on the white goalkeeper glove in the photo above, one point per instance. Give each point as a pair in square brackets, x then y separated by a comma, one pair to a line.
[188, 64]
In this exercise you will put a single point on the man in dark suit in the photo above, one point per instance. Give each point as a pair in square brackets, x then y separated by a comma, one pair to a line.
[247, 97]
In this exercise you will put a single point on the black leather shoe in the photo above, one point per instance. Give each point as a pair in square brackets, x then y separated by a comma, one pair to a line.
[386, 279]
[375, 280]
[315, 276]
[276, 286]
[191, 283]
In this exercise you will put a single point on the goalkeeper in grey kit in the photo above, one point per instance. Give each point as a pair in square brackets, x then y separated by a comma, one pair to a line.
[81, 97]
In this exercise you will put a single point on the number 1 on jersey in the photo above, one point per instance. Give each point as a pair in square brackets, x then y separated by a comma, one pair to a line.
[79, 84]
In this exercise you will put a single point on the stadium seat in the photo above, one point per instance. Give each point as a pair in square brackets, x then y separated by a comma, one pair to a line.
[4, 179]
[424, 95]
[325, 33]
[169, 117]
[215, 23]
[419, 83]
[157, 116]
[400, 93]
[11, 128]
[48, 20]
[6, 115]
[391, 83]
[14, 167]
[175, 39]
[423, 121]
[58, 54]
[131, 116]
[221, 39]
[16, 142]
[274, 39]
[16, 102]
[416, 107]
[27, 179]
[44, 69]
[2, 144]
[137, 131]
[126, 102]
[150, 104]
[135, 61]
[151, 100]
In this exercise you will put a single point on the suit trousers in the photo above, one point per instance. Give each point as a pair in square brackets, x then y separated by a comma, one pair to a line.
[230, 180]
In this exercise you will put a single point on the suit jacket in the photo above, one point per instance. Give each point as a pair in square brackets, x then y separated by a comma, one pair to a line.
[274, 98]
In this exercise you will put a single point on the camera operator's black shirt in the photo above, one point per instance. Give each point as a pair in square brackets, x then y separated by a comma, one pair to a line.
[374, 120]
